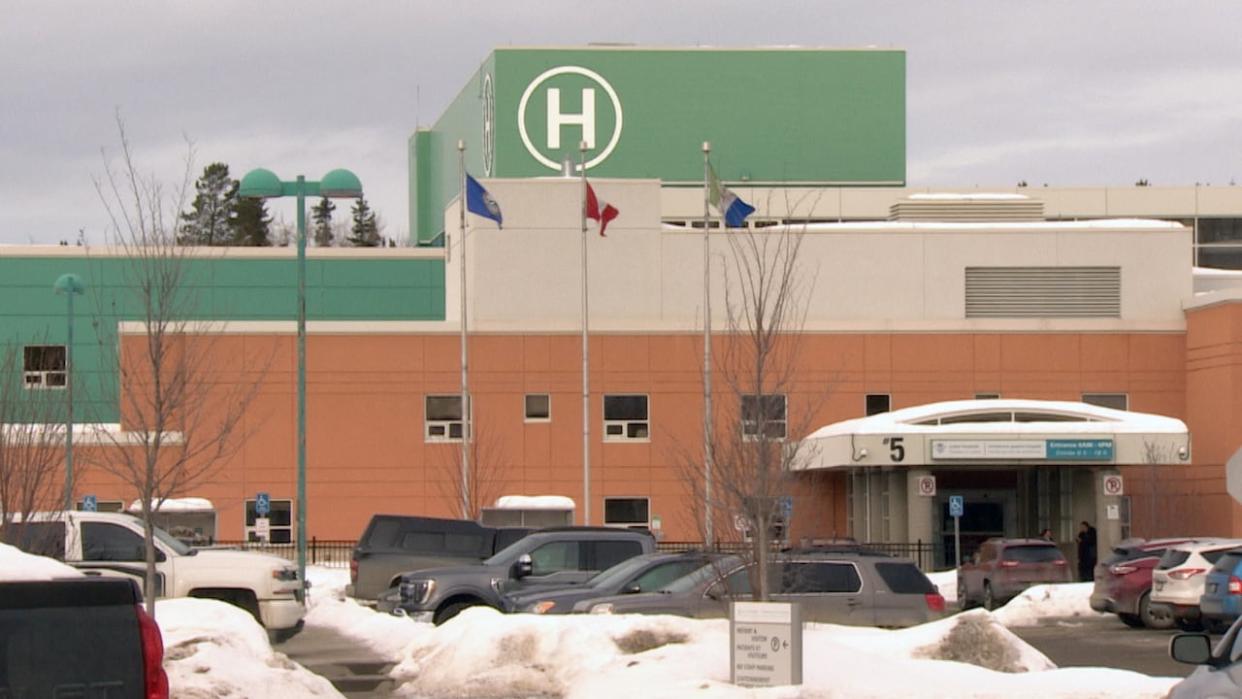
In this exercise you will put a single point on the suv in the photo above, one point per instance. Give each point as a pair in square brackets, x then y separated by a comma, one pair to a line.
[1178, 581]
[549, 557]
[395, 544]
[1123, 582]
[1002, 568]
[1221, 603]
[860, 588]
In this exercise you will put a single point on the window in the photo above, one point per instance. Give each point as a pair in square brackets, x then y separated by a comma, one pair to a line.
[819, 578]
[763, 414]
[904, 579]
[102, 506]
[280, 521]
[39, 538]
[1116, 401]
[553, 557]
[44, 366]
[538, 407]
[606, 554]
[443, 419]
[627, 512]
[625, 418]
[878, 403]
[111, 542]
[1125, 517]
[987, 396]
[663, 574]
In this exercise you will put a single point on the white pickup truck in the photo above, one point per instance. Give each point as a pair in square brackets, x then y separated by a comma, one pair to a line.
[104, 543]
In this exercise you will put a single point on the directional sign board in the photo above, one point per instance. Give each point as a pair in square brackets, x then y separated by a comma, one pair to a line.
[262, 504]
[957, 505]
[765, 643]
[90, 503]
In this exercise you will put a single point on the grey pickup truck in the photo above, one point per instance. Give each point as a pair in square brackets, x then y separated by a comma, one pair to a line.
[79, 638]
[549, 557]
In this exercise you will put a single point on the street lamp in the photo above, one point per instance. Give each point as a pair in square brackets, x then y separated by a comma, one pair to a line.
[70, 285]
[264, 184]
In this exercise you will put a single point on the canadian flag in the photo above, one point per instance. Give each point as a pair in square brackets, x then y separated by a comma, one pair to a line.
[600, 211]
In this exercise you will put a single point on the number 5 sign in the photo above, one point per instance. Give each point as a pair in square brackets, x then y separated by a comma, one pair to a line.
[927, 486]
[1113, 485]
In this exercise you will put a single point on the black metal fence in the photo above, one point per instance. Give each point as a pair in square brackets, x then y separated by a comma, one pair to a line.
[332, 553]
[925, 555]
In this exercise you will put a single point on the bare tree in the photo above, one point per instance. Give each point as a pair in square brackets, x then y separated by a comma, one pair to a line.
[757, 453]
[180, 418]
[31, 445]
[483, 482]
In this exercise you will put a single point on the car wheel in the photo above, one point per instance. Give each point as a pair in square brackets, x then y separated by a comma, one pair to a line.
[448, 612]
[1154, 619]
[1216, 626]
[1134, 621]
[989, 599]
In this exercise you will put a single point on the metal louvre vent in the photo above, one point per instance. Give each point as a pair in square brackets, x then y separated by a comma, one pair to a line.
[1043, 292]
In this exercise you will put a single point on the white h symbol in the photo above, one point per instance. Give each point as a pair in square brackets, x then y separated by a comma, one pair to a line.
[557, 119]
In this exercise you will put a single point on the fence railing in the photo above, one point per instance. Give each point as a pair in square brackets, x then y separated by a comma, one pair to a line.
[925, 555]
[332, 553]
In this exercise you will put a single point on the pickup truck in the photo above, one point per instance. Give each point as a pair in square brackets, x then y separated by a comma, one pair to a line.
[75, 637]
[549, 557]
[111, 544]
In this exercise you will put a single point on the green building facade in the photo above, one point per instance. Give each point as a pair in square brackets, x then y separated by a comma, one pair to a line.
[774, 116]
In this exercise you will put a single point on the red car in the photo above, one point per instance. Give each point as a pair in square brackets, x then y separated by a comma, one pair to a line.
[1002, 568]
[1123, 583]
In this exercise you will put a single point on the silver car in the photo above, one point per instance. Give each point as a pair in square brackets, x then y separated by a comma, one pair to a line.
[1221, 671]
[855, 587]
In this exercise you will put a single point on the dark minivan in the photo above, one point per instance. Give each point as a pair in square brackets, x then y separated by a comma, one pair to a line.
[396, 544]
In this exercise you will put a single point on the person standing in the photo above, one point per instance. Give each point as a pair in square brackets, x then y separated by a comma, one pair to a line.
[1046, 534]
[1086, 552]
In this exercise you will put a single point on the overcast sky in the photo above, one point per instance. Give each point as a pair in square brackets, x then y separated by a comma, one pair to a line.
[1068, 93]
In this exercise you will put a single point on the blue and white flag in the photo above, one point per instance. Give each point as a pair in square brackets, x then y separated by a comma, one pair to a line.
[726, 202]
[479, 201]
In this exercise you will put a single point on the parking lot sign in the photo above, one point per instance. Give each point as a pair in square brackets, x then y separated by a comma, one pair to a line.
[957, 505]
[262, 504]
[90, 503]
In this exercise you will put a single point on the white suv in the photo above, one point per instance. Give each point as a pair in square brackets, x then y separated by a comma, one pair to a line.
[1178, 579]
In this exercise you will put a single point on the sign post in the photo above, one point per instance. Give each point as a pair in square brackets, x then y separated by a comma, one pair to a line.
[765, 644]
[262, 525]
[263, 529]
[957, 507]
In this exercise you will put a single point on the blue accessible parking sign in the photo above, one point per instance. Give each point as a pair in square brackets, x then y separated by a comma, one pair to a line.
[957, 505]
[262, 504]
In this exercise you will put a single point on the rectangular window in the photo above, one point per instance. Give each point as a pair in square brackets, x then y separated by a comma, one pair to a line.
[878, 403]
[987, 396]
[1116, 401]
[443, 422]
[280, 521]
[763, 415]
[538, 407]
[626, 418]
[627, 512]
[102, 506]
[44, 366]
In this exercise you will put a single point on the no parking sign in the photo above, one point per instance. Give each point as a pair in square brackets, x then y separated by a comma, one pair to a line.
[1113, 485]
[927, 486]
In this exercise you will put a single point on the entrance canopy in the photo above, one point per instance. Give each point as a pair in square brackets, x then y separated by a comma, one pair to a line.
[999, 431]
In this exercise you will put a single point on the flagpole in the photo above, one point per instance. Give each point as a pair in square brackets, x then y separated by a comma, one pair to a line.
[707, 354]
[465, 384]
[586, 358]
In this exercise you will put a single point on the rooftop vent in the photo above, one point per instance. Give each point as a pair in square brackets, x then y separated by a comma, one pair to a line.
[970, 208]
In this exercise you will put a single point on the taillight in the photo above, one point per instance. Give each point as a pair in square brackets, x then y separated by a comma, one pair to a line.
[1120, 569]
[1235, 585]
[353, 570]
[1009, 564]
[1186, 573]
[1059, 562]
[154, 678]
[935, 602]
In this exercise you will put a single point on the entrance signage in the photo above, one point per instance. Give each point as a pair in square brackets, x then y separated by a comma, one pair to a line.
[1113, 485]
[765, 644]
[927, 486]
[1041, 449]
[1080, 449]
[557, 118]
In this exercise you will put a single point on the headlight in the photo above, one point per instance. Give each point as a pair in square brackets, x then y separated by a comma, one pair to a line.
[602, 608]
[417, 591]
[285, 574]
[540, 607]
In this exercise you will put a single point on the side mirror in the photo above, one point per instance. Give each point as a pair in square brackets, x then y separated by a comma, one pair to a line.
[524, 566]
[632, 588]
[1191, 648]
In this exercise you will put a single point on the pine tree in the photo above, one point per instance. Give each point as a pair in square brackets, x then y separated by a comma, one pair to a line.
[251, 223]
[210, 220]
[321, 215]
[365, 231]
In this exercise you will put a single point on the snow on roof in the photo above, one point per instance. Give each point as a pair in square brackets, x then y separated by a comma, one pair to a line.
[178, 505]
[92, 433]
[534, 502]
[915, 226]
[977, 196]
[1093, 419]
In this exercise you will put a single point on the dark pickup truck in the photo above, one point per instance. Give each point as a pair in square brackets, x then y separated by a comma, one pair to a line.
[79, 638]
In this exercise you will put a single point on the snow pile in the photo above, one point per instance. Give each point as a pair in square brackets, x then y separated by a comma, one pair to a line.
[16, 565]
[1044, 602]
[327, 606]
[482, 653]
[213, 649]
[946, 582]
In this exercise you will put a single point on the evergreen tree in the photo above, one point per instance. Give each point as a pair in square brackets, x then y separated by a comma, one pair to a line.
[251, 223]
[210, 220]
[365, 230]
[321, 215]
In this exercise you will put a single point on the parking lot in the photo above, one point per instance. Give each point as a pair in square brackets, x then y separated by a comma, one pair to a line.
[1105, 643]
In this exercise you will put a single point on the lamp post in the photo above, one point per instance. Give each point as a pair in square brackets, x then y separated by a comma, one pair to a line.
[337, 184]
[70, 285]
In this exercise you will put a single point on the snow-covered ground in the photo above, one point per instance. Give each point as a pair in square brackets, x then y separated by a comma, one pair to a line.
[328, 606]
[1042, 603]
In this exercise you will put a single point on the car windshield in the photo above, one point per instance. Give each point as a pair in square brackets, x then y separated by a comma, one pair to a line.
[1228, 562]
[509, 554]
[1032, 554]
[619, 573]
[173, 543]
[703, 575]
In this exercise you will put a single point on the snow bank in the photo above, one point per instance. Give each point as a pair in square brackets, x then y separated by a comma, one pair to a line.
[482, 653]
[1045, 602]
[327, 606]
[16, 564]
[213, 649]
